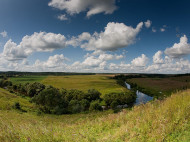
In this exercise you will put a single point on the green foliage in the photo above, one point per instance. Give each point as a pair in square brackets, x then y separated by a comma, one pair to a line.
[120, 98]
[114, 104]
[95, 105]
[92, 95]
[34, 88]
[5, 83]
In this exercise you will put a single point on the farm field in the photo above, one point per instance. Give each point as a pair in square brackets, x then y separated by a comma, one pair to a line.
[101, 83]
[166, 85]
[166, 120]
[27, 79]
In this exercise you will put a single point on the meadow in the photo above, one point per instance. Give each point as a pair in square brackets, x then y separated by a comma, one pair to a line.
[102, 83]
[166, 120]
[166, 85]
[27, 79]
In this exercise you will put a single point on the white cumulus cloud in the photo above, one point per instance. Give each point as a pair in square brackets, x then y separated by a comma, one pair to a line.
[157, 58]
[115, 36]
[92, 7]
[140, 61]
[179, 49]
[37, 42]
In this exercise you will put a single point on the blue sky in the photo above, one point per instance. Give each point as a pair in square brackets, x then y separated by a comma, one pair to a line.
[95, 36]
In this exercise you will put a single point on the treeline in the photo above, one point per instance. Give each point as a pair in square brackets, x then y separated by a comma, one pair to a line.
[61, 101]
[13, 74]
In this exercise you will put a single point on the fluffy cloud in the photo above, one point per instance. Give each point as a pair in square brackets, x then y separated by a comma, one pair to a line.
[91, 6]
[148, 23]
[3, 34]
[62, 17]
[157, 58]
[170, 66]
[115, 36]
[52, 62]
[13, 52]
[37, 42]
[95, 62]
[179, 49]
[140, 61]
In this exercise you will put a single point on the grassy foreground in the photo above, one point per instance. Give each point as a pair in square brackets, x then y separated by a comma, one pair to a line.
[167, 120]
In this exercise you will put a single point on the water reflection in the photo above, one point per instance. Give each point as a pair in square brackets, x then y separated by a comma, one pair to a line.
[141, 97]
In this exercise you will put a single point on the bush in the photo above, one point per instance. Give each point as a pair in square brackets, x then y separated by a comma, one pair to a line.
[92, 95]
[95, 105]
[17, 106]
[120, 98]
[114, 104]
[74, 106]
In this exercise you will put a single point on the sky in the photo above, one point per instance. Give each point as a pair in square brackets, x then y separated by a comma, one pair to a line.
[100, 36]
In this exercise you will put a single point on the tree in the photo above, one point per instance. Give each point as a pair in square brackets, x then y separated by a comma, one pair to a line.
[95, 105]
[92, 95]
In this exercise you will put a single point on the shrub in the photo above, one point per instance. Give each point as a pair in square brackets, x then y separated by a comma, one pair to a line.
[17, 105]
[92, 95]
[95, 105]
[114, 104]
[120, 98]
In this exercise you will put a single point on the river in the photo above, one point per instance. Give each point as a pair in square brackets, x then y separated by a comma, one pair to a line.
[141, 97]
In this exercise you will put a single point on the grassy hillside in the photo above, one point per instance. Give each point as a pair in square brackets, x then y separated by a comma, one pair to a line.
[167, 120]
[7, 101]
[101, 83]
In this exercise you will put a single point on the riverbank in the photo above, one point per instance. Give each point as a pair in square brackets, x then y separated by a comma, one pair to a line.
[141, 97]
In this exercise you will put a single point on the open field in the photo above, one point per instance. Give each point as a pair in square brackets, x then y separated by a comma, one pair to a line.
[167, 120]
[166, 85]
[27, 79]
[101, 83]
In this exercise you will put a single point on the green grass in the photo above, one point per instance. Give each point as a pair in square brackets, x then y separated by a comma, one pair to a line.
[84, 82]
[101, 83]
[157, 121]
[7, 100]
[27, 79]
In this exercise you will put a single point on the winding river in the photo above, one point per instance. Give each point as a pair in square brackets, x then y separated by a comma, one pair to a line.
[141, 97]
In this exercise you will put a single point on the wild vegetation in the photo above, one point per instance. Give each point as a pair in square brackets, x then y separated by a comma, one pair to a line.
[27, 112]
[103, 83]
[166, 120]
[51, 100]
[158, 86]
